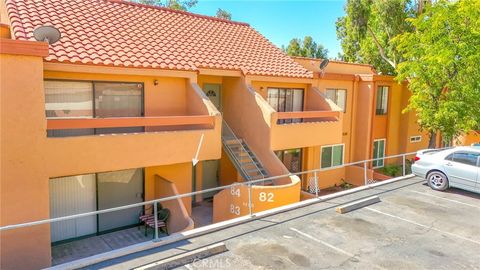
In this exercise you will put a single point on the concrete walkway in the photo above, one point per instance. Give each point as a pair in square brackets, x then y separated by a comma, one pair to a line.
[90, 246]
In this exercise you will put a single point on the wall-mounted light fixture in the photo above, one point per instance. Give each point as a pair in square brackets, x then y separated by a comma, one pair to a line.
[155, 82]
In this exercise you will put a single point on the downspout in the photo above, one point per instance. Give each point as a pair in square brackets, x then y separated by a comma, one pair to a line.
[372, 107]
[353, 112]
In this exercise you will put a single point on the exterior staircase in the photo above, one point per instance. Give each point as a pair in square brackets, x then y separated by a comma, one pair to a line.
[242, 157]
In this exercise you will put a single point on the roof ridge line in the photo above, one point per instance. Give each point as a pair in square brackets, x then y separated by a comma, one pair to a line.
[331, 60]
[177, 11]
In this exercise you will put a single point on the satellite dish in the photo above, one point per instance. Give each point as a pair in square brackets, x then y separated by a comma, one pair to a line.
[324, 64]
[47, 33]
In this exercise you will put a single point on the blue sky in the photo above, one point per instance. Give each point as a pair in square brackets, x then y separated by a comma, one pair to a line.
[283, 20]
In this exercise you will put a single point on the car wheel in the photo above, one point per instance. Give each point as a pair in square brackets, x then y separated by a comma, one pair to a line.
[437, 180]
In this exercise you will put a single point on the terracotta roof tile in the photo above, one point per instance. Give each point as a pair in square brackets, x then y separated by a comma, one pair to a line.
[112, 32]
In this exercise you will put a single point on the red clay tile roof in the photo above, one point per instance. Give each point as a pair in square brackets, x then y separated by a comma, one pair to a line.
[116, 33]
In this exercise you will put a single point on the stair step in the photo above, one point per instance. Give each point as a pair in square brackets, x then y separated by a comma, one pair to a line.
[248, 162]
[235, 146]
[250, 166]
[241, 154]
[244, 160]
[254, 171]
[233, 141]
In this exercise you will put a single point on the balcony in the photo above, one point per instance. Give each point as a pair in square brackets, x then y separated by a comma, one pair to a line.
[184, 122]
[319, 124]
[130, 142]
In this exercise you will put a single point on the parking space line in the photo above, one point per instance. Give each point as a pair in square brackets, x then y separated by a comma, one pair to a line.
[423, 226]
[339, 250]
[450, 200]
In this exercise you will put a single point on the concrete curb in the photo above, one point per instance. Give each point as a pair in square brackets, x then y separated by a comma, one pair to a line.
[345, 208]
[185, 258]
[213, 227]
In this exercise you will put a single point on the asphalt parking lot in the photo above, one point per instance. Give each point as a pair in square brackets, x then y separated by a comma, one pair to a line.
[413, 227]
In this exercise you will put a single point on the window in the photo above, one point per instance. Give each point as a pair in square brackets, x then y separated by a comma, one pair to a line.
[292, 159]
[331, 156]
[378, 152]
[467, 158]
[75, 99]
[382, 100]
[339, 96]
[286, 100]
[415, 139]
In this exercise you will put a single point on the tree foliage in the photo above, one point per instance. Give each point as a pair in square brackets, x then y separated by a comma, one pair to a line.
[223, 14]
[173, 4]
[368, 28]
[440, 59]
[306, 48]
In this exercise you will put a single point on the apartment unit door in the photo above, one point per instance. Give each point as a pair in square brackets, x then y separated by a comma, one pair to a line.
[209, 177]
[116, 189]
[213, 92]
[69, 196]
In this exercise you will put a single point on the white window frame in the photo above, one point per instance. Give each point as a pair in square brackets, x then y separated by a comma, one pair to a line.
[336, 96]
[384, 150]
[415, 139]
[332, 145]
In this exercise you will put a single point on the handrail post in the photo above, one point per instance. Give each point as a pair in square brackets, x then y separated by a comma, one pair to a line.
[316, 183]
[404, 165]
[365, 172]
[155, 214]
[250, 211]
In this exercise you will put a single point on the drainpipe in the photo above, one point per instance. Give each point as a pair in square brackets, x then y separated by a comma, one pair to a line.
[194, 183]
[353, 118]
[372, 107]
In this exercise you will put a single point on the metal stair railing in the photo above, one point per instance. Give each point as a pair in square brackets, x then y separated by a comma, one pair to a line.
[228, 134]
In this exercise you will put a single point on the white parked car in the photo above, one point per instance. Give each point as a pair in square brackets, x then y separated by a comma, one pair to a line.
[454, 167]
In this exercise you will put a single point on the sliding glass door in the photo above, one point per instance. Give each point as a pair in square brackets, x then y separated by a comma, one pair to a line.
[292, 159]
[286, 100]
[116, 189]
[86, 99]
[118, 100]
[91, 192]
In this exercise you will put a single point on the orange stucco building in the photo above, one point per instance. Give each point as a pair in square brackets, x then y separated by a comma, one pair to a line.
[114, 112]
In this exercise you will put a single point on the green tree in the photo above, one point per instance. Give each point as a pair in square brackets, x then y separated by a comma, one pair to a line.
[223, 14]
[306, 48]
[440, 60]
[368, 28]
[173, 4]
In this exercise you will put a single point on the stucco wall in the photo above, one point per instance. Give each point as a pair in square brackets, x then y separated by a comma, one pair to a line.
[24, 176]
[363, 118]
[179, 219]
